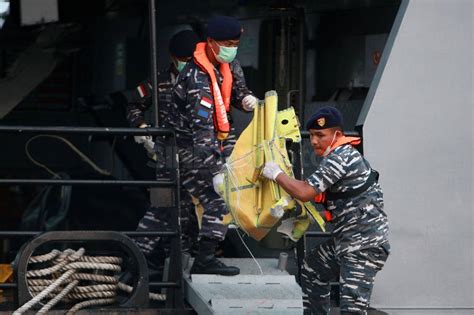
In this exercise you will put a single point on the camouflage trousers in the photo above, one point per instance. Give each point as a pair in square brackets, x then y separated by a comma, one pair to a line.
[157, 219]
[197, 179]
[197, 182]
[355, 270]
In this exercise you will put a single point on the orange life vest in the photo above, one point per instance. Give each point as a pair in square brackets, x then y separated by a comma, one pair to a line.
[321, 198]
[221, 94]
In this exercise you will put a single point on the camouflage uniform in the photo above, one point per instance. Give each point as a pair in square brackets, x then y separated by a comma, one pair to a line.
[140, 103]
[155, 220]
[359, 246]
[202, 155]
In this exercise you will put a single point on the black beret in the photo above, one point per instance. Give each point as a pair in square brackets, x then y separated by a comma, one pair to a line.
[223, 28]
[325, 117]
[183, 44]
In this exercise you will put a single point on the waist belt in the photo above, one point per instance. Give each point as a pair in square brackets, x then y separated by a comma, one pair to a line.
[373, 178]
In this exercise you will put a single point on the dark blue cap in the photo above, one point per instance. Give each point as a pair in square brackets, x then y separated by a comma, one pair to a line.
[325, 117]
[183, 44]
[223, 28]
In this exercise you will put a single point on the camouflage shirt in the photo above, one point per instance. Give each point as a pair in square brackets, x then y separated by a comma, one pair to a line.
[193, 119]
[139, 100]
[359, 222]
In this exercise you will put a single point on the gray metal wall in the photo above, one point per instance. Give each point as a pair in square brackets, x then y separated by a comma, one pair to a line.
[419, 134]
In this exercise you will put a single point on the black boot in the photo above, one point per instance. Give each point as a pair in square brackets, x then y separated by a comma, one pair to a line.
[207, 263]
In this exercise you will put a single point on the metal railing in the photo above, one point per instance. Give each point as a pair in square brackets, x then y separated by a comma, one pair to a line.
[174, 296]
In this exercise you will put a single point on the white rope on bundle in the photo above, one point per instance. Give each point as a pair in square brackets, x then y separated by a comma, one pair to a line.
[60, 282]
[58, 297]
[151, 296]
[45, 257]
[76, 276]
[85, 304]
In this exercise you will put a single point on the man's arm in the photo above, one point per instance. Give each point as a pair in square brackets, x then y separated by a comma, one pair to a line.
[239, 86]
[298, 189]
[139, 100]
[330, 170]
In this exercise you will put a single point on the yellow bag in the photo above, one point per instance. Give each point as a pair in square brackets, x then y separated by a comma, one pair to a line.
[257, 204]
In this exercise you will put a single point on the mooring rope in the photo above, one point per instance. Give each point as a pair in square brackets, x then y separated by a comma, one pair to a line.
[84, 304]
[66, 280]
[58, 297]
[43, 293]
[151, 296]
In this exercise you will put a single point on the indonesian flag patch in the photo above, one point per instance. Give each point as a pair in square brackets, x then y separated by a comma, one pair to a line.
[142, 90]
[206, 102]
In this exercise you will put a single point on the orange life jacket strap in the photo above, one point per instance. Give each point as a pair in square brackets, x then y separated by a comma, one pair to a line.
[226, 86]
[327, 215]
[220, 94]
[345, 140]
[322, 198]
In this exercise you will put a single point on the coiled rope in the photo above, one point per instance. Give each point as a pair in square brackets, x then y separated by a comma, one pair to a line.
[65, 280]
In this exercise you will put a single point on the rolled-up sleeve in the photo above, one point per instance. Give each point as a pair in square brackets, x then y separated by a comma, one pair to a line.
[239, 86]
[330, 170]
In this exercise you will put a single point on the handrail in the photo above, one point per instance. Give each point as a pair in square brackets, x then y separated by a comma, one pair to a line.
[88, 130]
[26, 181]
[174, 295]
[8, 234]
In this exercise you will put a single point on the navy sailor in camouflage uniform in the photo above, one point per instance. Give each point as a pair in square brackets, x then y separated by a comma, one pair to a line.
[353, 197]
[202, 88]
[181, 48]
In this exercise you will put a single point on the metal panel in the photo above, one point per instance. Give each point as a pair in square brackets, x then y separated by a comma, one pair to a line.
[419, 135]
[273, 292]
[374, 45]
[38, 12]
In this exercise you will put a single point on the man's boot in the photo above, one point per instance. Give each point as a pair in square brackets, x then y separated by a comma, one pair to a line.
[207, 263]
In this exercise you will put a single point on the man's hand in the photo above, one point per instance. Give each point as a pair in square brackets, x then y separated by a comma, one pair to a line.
[218, 182]
[143, 139]
[249, 102]
[271, 170]
[147, 142]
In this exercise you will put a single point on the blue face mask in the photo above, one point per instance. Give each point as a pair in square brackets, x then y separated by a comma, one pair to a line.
[226, 54]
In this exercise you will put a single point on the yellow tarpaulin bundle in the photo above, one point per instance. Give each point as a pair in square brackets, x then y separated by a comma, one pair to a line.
[6, 275]
[256, 204]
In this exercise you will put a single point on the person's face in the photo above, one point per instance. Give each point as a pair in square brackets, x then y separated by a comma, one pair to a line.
[322, 138]
[182, 59]
[224, 43]
[177, 60]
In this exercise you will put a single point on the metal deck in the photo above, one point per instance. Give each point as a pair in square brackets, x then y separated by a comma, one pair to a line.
[273, 292]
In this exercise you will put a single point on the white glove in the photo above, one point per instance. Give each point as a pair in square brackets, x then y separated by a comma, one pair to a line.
[249, 102]
[143, 139]
[271, 170]
[218, 182]
[147, 142]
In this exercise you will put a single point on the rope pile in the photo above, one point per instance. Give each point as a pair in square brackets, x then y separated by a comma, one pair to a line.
[70, 276]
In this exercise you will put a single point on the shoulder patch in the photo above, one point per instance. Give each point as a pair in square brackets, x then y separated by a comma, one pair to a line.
[144, 89]
[206, 102]
[203, 113]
